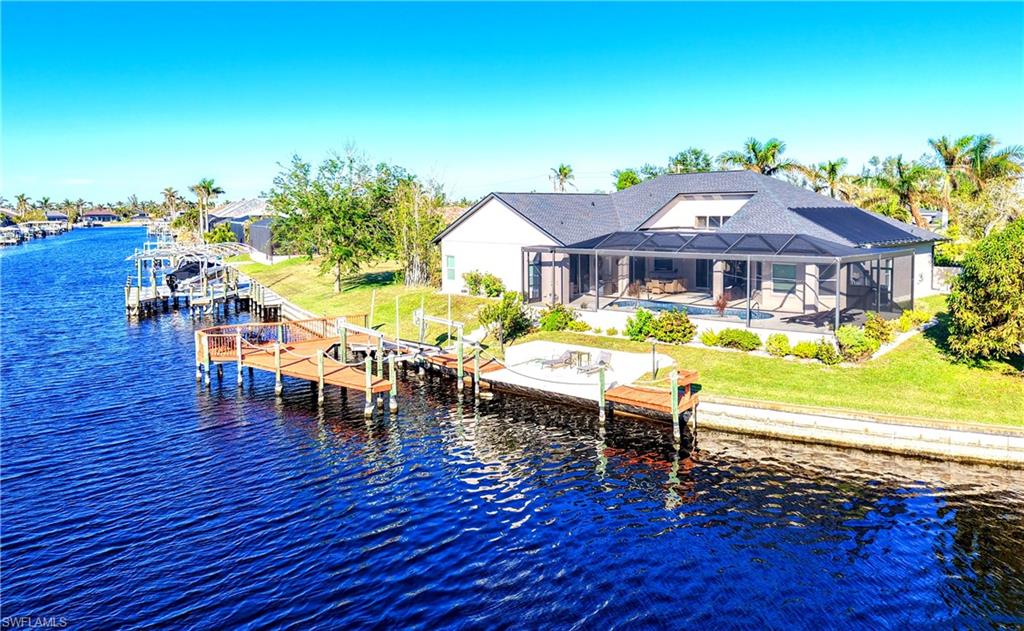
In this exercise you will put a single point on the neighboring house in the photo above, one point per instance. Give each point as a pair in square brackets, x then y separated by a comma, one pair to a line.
[99, 215]
[54, 215]
[769, 253]
[8, 216]
[239, 212]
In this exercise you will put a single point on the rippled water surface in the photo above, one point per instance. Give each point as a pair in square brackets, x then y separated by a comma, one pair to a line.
[131, 497]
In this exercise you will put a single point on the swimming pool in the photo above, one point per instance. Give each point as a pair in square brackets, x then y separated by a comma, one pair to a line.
[659, 305]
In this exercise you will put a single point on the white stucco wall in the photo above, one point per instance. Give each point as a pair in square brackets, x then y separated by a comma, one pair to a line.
[923, 285]
[489, 240]
[681, 211]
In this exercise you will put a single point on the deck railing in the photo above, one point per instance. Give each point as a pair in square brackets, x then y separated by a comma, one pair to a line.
[222, 340]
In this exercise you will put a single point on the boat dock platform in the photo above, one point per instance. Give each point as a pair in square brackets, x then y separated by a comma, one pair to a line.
[323, 351]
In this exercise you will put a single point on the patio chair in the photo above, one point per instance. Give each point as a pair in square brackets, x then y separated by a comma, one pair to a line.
[604, 360]
[557, 362]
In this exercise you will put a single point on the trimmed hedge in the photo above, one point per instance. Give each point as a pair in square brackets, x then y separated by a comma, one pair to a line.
[673, 327]
[778, 345]
[738, 338]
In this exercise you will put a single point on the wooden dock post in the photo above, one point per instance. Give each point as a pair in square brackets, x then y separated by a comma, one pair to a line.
[393, 395]
[238, 357]
[600, 394]
[398, 327]
[368, 408]
[460, 369]
[343, 342]
[199, 357]
[449, 334]
[206, 358]
[280, 332]
[380, 356]
[320, 378]
[278, 388]
[476, 371]
[674, 388]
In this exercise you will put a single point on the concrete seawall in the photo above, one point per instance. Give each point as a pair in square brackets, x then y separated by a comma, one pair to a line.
[971, 443]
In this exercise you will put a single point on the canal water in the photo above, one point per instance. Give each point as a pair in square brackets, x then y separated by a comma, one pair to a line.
[133, 498]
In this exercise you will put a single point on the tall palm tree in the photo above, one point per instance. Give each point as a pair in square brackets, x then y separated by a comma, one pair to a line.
[764, 158]
[45, 204]
[170, 199]
[987, 164]
[561, 176]
[828, 177]
[23, 202]
[910, 183]
[955, 158]
[205, 191]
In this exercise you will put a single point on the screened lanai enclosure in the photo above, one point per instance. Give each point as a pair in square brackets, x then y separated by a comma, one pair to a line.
[778, 281]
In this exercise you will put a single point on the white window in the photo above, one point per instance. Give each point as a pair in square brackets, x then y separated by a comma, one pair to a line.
[700, 222]
[783, 278]
[714, 222]
[827, 279]
[450, 266]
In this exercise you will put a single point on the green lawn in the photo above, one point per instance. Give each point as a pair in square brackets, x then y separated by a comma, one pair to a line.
[299, 281]
[915, 380]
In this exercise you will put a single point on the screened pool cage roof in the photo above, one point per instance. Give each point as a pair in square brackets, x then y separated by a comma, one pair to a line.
[720, 244]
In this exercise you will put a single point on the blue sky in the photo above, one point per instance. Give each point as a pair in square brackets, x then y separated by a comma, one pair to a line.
[104, 100]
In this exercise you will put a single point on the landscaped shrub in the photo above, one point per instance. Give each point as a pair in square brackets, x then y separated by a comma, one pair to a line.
[579, 326]
[611, 331]
[826, 353]
[492, 286]
[638, 327]
[806, 350]
[879, 329]
[506, 319]
[472, 281]
[557, 317]
[738, 338]
[673, 327]
[709, 338]
[854, 343]
[912, 319]
[778, 345]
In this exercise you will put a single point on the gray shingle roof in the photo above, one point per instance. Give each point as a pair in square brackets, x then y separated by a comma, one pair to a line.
[241, 209]
[775, 207]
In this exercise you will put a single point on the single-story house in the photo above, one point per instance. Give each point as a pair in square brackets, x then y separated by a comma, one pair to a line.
[731, 246]
[100, 215]
[239, 212]
[56, 215]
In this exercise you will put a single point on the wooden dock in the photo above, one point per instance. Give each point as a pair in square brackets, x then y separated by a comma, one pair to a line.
[657, 399]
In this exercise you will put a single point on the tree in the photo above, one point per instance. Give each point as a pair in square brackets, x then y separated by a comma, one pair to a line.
[220, 234]
[171, 199]
[987, 164]
[45, 204]
[1001, 202]
[561, 176]
[909, 184]
[328, 213]
[624, 178]
[828, 177]
[23, 202]
[986, 305]
[764, 158]
[414, 219]
[650, 171]
[954, 157]
[690, 160]
[206, 190]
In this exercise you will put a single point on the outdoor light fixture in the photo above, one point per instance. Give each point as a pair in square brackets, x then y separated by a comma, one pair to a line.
[654, 357]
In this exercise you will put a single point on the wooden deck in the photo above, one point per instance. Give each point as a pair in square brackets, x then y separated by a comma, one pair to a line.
[657, 399]
[451, 362]
[294, 363]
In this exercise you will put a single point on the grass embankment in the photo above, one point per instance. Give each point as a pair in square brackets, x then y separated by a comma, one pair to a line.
[917, 379]
[299, 281]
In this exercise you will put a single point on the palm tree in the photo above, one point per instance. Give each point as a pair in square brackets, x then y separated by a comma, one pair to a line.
[23, 203]
[828, 177]
[987, 164]
[764, 158]
[955, 158]
[562, 175]
[45, 204]
[205, 191]
[68, 208]
[911, 184]
[170, 199]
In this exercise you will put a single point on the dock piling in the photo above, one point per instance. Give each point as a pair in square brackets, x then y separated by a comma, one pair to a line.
[676, 429]
[393, 395]
[476, 371]
[460, 368]
[380, 356]
[278, 388]
[206, 358]
[600, 394]
[320, 378]
[238, 357]
[199, 357]
[368, 408]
